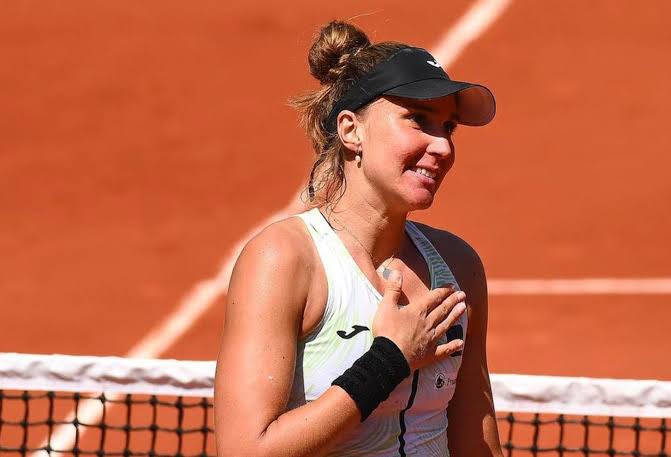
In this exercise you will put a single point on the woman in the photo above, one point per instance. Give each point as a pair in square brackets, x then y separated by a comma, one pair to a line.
[346, 329]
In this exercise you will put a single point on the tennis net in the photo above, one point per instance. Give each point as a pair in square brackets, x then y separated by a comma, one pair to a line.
[109, 406]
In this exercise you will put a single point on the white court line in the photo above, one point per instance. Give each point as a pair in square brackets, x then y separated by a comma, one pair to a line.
[472, 24]
[584, 286]
[205, 293]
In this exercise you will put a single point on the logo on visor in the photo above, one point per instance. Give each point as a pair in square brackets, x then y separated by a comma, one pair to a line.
[433, 63]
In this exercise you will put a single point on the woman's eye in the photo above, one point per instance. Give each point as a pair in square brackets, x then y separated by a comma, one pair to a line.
[422, 121]
[418, 119]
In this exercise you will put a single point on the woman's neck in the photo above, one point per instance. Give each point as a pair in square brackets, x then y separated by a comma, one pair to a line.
[379, 231]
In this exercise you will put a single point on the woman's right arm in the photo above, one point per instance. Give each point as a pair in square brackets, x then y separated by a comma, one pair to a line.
[266, 301]
[264, 311]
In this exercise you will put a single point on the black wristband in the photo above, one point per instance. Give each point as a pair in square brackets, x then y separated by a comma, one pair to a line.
[374, 375]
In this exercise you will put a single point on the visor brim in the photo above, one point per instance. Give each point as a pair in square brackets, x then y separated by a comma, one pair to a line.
[475, 103]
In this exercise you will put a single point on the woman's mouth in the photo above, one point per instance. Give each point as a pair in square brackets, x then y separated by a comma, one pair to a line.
[427, 177]
[425, 172]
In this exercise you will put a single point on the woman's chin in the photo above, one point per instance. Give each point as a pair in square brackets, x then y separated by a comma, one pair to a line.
[411, 199]
[418, 193]
[419, 207]
[420, 200]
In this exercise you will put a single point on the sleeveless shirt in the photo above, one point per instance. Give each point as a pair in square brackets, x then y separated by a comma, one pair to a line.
[413, 420]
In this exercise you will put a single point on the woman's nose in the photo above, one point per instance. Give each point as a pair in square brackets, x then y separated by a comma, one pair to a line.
[440, 145]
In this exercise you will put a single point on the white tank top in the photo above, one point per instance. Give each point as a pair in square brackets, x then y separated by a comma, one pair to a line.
[413, 420]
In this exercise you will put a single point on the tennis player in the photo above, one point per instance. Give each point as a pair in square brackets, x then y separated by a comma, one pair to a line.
[350, 330]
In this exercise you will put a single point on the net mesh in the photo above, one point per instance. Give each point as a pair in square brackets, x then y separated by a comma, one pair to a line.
[81, 406]
[545, 434]
[41, 423]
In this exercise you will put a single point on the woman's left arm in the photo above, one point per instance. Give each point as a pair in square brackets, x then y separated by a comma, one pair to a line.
[472, 430]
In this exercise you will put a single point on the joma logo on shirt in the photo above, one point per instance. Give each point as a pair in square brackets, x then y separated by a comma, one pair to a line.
[357, 329]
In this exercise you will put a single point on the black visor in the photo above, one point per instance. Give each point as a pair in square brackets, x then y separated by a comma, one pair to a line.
[414, 73]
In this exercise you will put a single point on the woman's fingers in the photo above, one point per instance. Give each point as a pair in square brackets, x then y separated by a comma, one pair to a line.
[417, 327]
[444, 325]
[434, 298]
[392, 289]
[445, 309]
[446, 349]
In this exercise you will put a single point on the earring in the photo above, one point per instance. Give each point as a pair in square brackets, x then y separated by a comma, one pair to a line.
[357, 157]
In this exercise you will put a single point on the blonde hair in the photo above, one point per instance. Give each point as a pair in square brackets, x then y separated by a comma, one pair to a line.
[340, 54]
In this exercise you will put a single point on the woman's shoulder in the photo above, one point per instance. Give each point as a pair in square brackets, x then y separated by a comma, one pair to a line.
[278, 252]
[278, 266]
[460, 256]
[448, 243]
[283, 244]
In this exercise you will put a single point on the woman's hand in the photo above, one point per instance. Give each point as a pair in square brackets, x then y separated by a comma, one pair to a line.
[417, 327]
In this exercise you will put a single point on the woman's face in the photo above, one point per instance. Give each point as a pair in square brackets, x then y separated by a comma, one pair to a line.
[407, 148]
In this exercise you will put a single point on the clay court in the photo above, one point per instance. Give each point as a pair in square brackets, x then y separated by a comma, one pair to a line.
[141, 142]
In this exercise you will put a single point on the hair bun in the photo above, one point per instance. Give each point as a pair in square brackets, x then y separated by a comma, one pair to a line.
[332, 48]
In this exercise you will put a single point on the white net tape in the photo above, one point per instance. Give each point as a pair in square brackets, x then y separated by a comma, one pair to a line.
[522, 393]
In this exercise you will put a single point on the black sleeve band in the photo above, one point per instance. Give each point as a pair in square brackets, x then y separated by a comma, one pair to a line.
[374, 375]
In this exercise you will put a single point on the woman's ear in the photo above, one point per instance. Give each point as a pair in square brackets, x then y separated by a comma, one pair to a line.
[348, 130]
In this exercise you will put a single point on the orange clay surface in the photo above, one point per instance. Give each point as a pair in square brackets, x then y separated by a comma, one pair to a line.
[140, 140]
